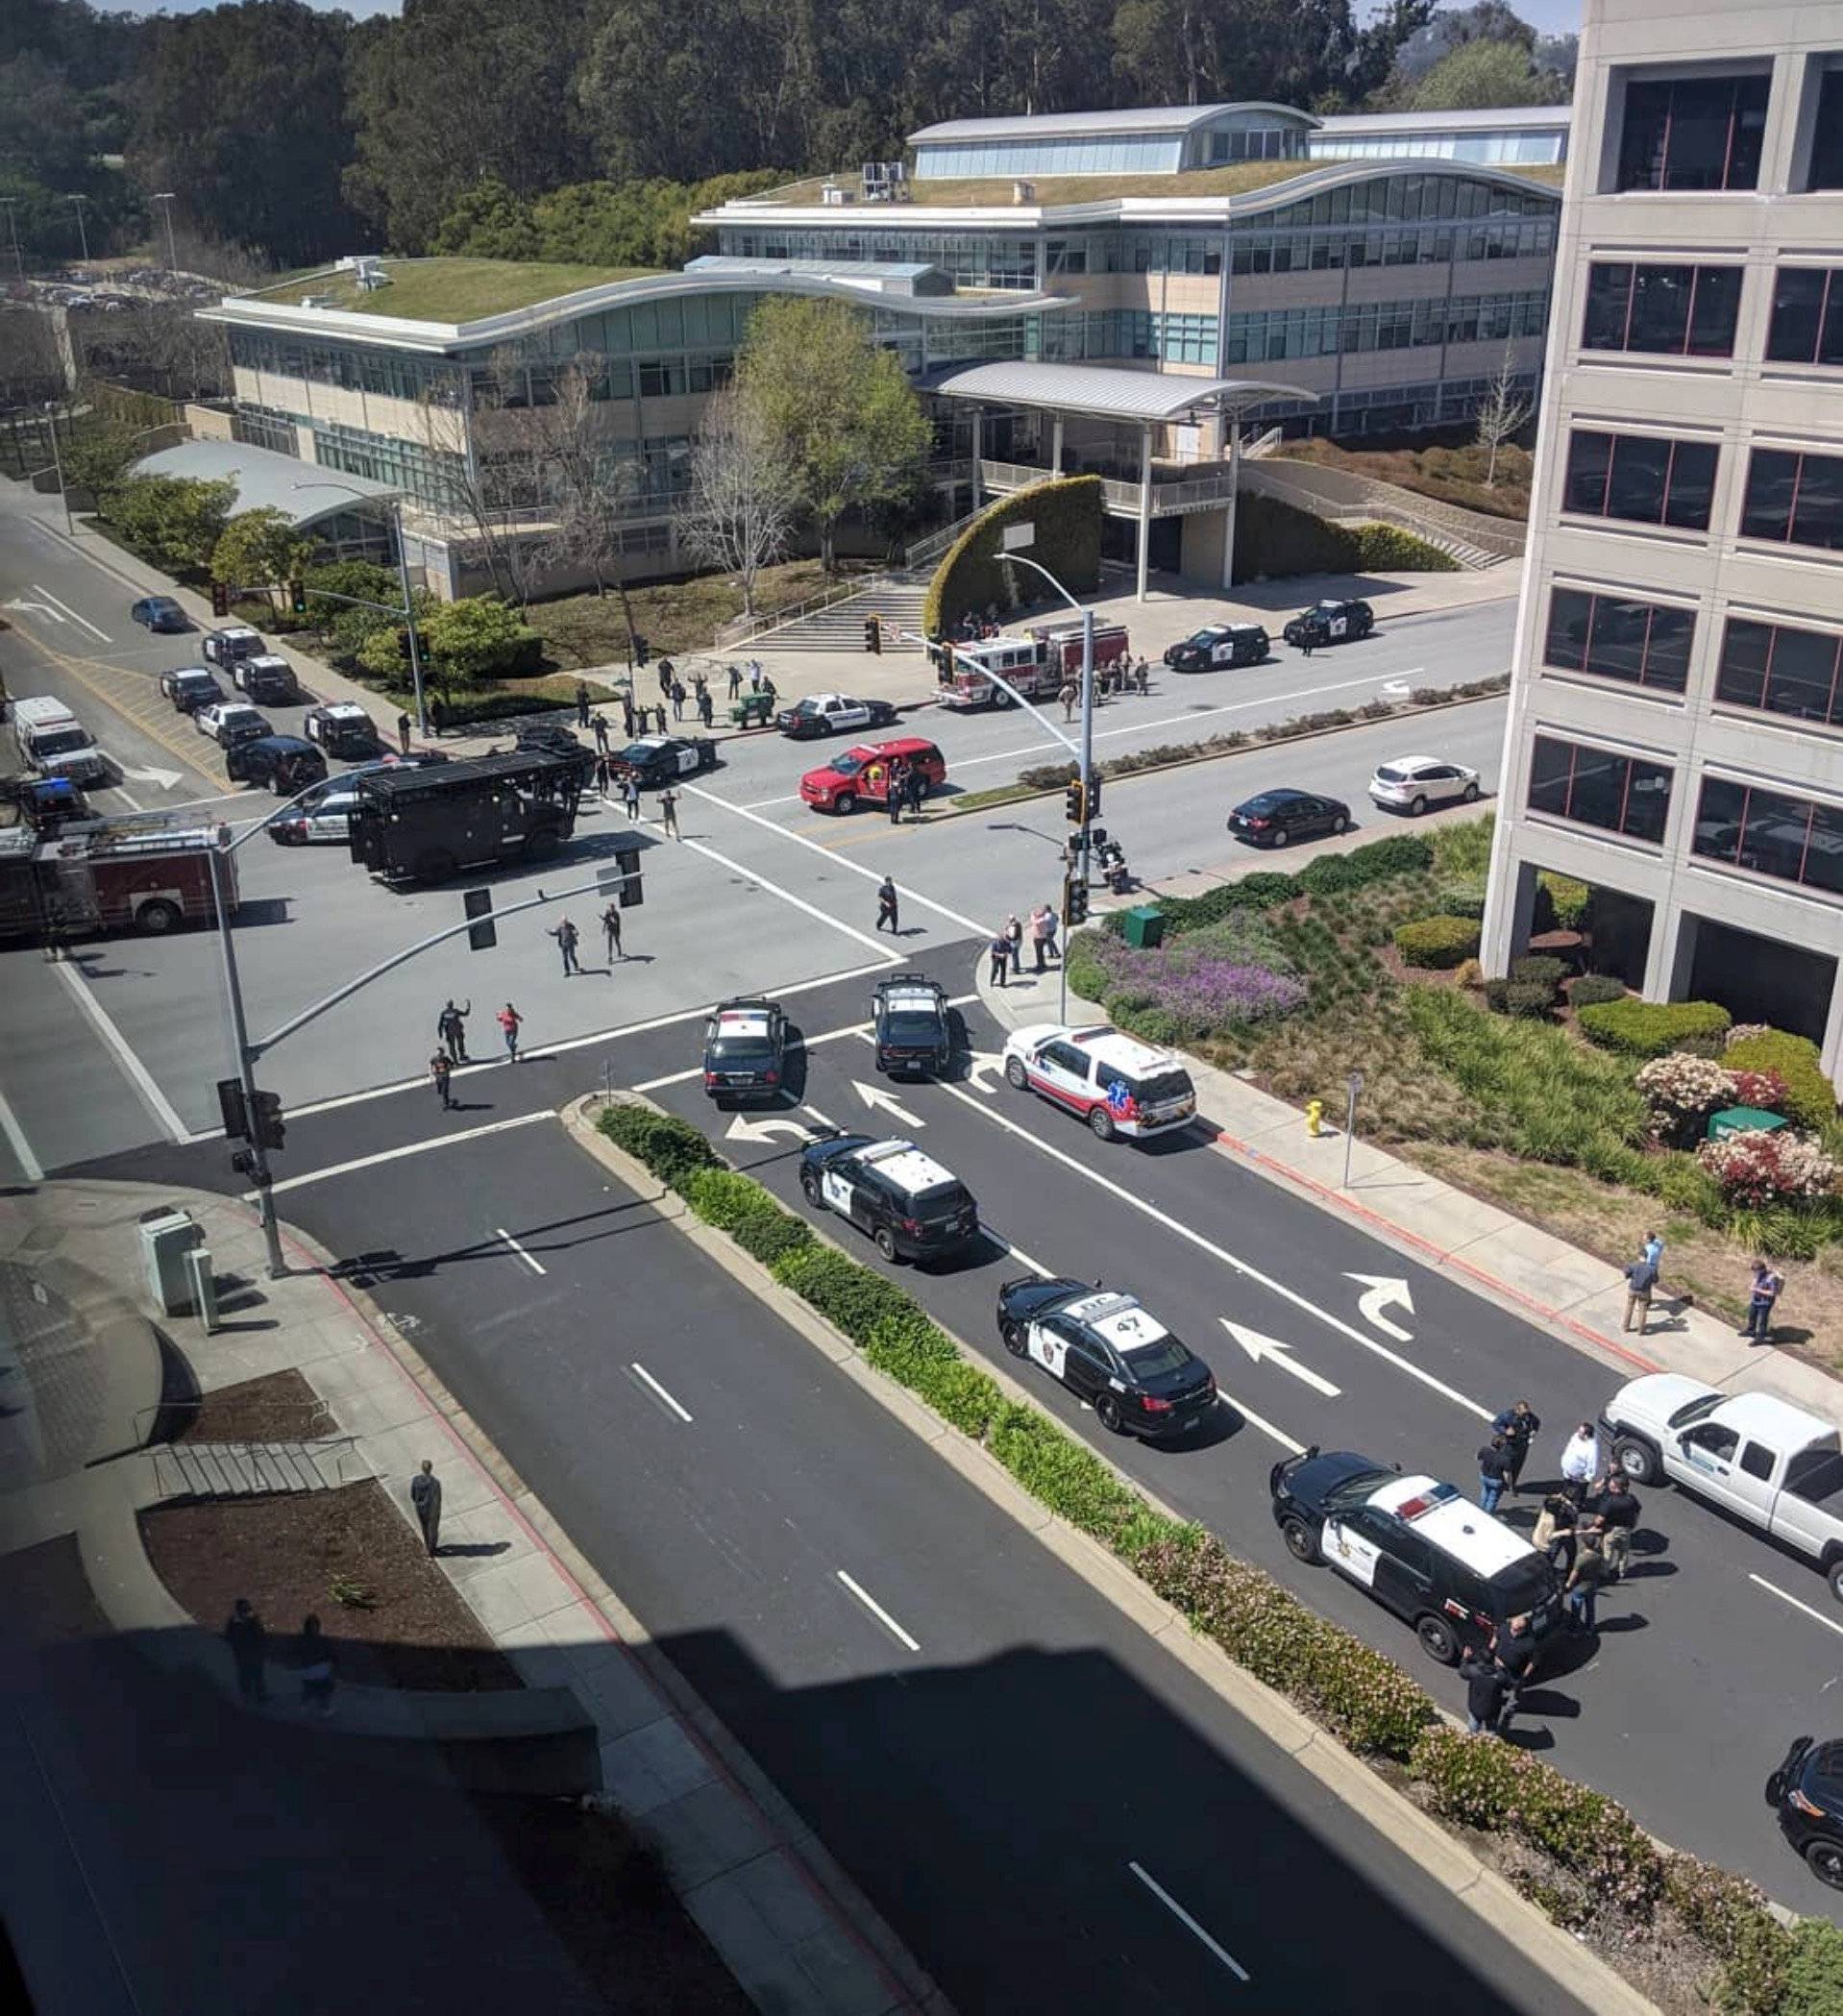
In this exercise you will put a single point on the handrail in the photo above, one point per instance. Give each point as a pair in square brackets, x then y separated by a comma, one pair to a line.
[932, 545]
[729, 636]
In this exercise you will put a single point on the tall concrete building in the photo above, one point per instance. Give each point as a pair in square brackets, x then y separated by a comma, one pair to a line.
[1675, 731]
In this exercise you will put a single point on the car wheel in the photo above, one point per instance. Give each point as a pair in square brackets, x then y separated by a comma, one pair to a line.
[1302, 1543]
[544, 845]
[1002, 699]
[1419, 804]
[1015, 1073]
[1833, 1575]
[158, 916]
[1438, 1639]
[1825, 1860]
[1636, 1460]
[1340, 824]
[844, 801]
[1101, 1123]
[1016, 1338]
[1279, 838]
[1107, 1413]
[1470, 792]
[885, 1241]
[810, 1190]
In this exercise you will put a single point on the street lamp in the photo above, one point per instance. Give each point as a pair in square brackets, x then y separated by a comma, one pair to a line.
[82, 236]
[10, 205]
[58, 463]
[402, 577]
[165, 196]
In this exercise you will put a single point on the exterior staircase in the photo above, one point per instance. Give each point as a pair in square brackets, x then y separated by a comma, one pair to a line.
[254, 1469]
[839, 626]
[1475, 540]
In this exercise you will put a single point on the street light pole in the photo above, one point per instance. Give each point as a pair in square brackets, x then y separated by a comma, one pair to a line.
[165, 196]
[58, 463]
[82, 236]
[245, 1062]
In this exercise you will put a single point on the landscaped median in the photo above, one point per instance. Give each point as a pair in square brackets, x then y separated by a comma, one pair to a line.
[1685, 1935]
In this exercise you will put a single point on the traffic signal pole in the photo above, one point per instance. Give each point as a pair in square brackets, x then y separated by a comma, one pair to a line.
[245, 1064]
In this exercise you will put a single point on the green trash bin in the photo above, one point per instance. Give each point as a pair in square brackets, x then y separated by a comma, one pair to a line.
[1743, 1119]
[1144, 925]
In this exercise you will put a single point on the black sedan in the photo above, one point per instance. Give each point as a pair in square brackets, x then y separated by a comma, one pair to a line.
[1109, 1351]
[911, 1025]
[160, 613]
[1279, 818]
[1330, 622]
[662, 759]
[1806, 1791]
[745, 1050]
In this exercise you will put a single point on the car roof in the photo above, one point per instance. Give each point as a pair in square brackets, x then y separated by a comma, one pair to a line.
[192, 672]
[900, 746]
[157, 601]
[269, 657]
[743, 1019]
[344, 708]
[653, 741]
[1454, 1524]
[1125, 1053]
[909, 987]
[236, 629]
[1415, 763]
[1773, 1419]
[906, 1165]
[1116, 1318]
[285, 745]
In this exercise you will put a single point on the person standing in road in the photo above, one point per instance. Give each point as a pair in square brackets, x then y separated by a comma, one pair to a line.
[600, 725]
[1000, 950]
[1763, 1291]
[706, 713]
[1513, 1646]
[403, 734]
[1518, 1425]
[248, 1643]
[914, 788]
[1493, 1473]
[1580, 1461]
[603, 776]
[582, 704]
[1588, 1576]
[565, 935]
[1142, 677]
[316, 1668]
[669, 811]
[1554, 1533]
[1641, 1277]
[894, 785]
[1014, 937]
[1484, 1692]
[735, 680]
[677, 700]
[451, 1028]
[754, 674]
[627, 714]
[1068, 698]
[611, 934]
[1612, 1513]
[667, 674]
[886, 906]
[426, 1496]
[441, 1071]
[630, 798]
[510, 1021]
[660, 717]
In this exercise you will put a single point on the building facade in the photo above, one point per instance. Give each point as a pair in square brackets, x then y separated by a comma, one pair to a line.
[1676, 728]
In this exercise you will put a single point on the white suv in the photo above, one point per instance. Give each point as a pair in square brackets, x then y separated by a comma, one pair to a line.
[1117, 1084]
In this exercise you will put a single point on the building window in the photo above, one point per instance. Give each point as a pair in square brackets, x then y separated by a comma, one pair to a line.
[1794, 499]
[1667, 311]
[1692, 132]
[1807, 314]
[1826, 171]
[1639, 643]
[1791, 839]
[1593, 787]
[1644, 478]
[1779, 669]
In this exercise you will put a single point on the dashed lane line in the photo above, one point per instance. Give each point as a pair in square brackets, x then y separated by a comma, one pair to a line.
[29, 1166]
[536, 1266]
[877, 1611]
[136, 1073]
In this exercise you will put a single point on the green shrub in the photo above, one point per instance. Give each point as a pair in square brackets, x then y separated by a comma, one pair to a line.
[672, 1149]
[1568, 901]
[1146, 1020]
[1437, 941]
[1814, 1974]
[1066, 513]
[1388, 549]
[1063, 1473]
[1810, 1099]
[1591, 989]
[907, 1345]
[1531, 998]
[1650, 1028]
[1086, 977]
[739, 1206]
[1460, 897]
[844, 1293]
[1465, 848]
[1398, 854]
[1330, 874]
[1730, 1917]
[1539, 969]
[965, 1397]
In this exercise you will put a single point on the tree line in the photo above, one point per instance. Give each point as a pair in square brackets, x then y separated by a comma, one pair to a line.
[300, 135]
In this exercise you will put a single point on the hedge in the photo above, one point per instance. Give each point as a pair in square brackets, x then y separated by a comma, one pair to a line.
[1272, 538]
[1568, 902]
[1591, 989]
[1387, 549]
[1463, 896]
[1265, 889]
[1810, 1099]
[1437, 941]
[1066, 512]
[1650, 1028]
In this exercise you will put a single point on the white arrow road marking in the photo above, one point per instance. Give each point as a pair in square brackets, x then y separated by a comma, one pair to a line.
[1274, 1352]
[980, 1063]
[38, 588]
[1189, 1924]
[874, 1096]
[160, 779]
[1385, 1292]
[1398, 689]
[743, 1128]
[33, 609]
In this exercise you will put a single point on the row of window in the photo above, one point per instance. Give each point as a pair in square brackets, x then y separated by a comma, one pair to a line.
[428, 474]
[1137, 250]
[973, 259]
[1502, 149]
[1690, 132]
[1257, 143]
[1672, 310]
[1414, 199]
[1383, 325]
[1132, 332]
[1098, 154]
[1766, 832]
[1329, 251]
[1791, 497]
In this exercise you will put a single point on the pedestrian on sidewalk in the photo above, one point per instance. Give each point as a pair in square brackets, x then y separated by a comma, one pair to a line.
[1493, 1473]
[768, 690]
[1514, 1648]
[451, 1028]
[630, 798]
[754, 674]
[914, 788]
[1053, 923]
[1587, 1578]
[1641, 1277]
[1014, 937]
[248, 1643]
[1042, 924]
[601, 731]
[582, 703]
[886, 906]
[1764, 1291]
[426, 1496]
[510, 1021]
[1518, 1425]
[735, 680]
[1580, 1461]
[1068, 698]
[669, 811]
[441, 1071]
[1000, 950]
[317, 1667]
[565, 935]
[403, 734]
[1484, 1692]
[437, 715]
[706, 713]
[611, 935]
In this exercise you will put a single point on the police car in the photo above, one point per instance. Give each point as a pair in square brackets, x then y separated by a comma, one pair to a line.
[832, 714]
[745, 1050]
[657, 759]
[1117, 1084]
[234, 641]
[266, 678]
[1109, 1351]
[906, 1201]
[1220, 644]
[342, 728]
[1330, 622]
[911, 1025]
[1452, 1571]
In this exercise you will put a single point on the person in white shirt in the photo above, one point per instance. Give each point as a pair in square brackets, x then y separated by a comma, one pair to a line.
[1579, 1461]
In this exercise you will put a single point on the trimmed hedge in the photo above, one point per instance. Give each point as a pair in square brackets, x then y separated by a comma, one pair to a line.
[1593, 989]
[1272, 538]
[1387, 549]
[1568, 902]
[1437, 941]
[1650, 1028]
[1066, 514]
[1463, 897]
[1265, 889]
[671, 1149]
[1810, 1099]
[744, 1208]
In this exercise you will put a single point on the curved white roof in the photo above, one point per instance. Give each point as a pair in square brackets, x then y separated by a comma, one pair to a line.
[1132, 118]
[266, 481]
[1105, 393]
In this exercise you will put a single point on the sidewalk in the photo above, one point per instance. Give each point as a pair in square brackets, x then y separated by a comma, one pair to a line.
[784, 1920]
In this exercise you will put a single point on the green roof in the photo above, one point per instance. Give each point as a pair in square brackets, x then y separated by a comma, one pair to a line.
[448, 290]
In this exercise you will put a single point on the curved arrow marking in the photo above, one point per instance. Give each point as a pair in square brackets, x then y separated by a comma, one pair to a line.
[980, 1064]
[1385, 1292]
[742, 1128]
[874, 1096]
[1274, 1352]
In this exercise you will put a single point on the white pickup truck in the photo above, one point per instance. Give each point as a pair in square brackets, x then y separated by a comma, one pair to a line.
[1759, 1458]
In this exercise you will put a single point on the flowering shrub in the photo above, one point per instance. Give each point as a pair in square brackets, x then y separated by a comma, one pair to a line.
[1767, 1090]
[1683, 1091]
[1745, 1032]
[1759, 1170]
[1810, 1099]
[1231, 975]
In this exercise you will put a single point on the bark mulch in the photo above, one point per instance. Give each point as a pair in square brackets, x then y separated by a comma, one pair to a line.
[281, 1408]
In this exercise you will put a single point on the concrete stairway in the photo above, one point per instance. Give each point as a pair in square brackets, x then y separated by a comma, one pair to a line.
[254, 1469]
[840, 624]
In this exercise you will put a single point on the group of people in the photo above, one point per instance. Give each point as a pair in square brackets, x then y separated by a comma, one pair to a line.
[1124, 674]
[1765, 1284]
[248, 1638]
[450, 1028]
[1007, 947]
[906, 785]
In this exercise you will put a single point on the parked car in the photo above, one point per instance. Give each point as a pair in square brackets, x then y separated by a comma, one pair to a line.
[1111, 1352]
[342, 728]
[1412, 784]
[1218, 645]
[231, 721]
[1118, 1085]
[1806, 1792]
[1279, 818]
[863, 774]
[662, 759]
[832, 714]
[234, 641]
[190, 687]
[1330, 622]
[285, 764]
[266, 678]
[160, 613]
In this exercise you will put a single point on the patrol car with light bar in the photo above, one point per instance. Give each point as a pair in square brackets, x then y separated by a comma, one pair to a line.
[1110, 1351]
[912, 1206]
[745, 1051]
[911, 1026]
[1420, 1548]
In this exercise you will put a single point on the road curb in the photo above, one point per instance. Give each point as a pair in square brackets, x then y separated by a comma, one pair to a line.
[1469, 1880]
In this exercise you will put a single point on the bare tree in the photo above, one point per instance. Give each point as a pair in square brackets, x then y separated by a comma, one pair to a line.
[1501, 413]
[740, 507]
[493, 488]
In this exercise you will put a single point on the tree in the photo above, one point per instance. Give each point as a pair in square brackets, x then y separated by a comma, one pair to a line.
[1481, 75]
[96, 459]
[1501, 414]
[740, 508]
[488, 222]
[832, 406]
[347, 624]
[30, 369]
[174, 520]
[259, 549]
[472, 639]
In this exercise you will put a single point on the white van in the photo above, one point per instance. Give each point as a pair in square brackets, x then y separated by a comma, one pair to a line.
[56, 744]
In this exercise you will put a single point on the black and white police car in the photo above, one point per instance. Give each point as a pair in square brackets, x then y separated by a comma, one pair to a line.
[1421, 1549]
[1330, 622]
[234, 641]
[832, 714]
[1110, 1351]
[745, 1050]
[1218, 645]
[911, 1026]
[657, 759]
[912, 1207]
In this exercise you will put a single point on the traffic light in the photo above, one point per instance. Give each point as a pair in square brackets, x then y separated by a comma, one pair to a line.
[483, 936]
[220, 599]
[1094, 796]
[1074, 902]
[1074, 802]
[298, 597]
[627, 860]
[265, 1118]
[873, 636]
[229, 1103]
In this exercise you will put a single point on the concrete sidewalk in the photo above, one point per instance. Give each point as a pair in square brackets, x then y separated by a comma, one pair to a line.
[783, 1917]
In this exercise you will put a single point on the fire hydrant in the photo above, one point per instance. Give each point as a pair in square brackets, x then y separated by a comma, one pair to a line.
[1315, 1117]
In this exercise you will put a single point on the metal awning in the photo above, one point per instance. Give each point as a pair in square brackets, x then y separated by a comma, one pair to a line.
[1102, 393]
[302, 491]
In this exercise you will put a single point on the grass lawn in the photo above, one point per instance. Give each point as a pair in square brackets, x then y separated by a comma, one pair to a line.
[451, 290]
[1453, 474]
[673, 616]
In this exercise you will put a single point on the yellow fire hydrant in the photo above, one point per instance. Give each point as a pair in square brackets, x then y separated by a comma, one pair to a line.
[1315, 1117]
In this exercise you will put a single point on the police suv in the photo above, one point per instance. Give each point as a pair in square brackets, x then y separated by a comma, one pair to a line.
[1452, 1571]
[1109, 1351]
[1220, 644]
[911, 1025]
[905, 1201]
[745, 1050]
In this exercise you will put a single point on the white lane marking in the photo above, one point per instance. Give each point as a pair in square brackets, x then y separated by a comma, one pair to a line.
[29, 1166]
[1185, 1919]
[129, 799]
[1384, 1292]
[413, 1147]
[536, 1266]
[139, 1075]
[821, 1119]
[1273, 1351]
[857, 868]
[878, 1099]
[877, 1611]
[1017, 1252]
[38, 589]
[641, 1371]
[958, 1000]
[1228, 1259]
[1773, 1589]
[1260, 1421]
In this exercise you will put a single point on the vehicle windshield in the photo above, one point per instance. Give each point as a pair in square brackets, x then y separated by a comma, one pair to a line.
[912, 1025]
[1696, 1410]
[1160, 1087]
[1356, 1489]
[639, 752]
[1152, 1361]
[847, 766]
[1391, 774]
[61, 742]
[741, 1046]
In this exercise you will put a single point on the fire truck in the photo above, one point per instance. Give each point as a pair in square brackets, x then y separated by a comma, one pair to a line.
[1038, 663]
[110, 876]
